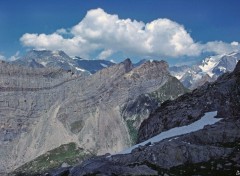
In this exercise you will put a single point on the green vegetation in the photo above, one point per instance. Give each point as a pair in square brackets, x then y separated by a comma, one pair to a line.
[67, 153]
[169, 91]
[132, 131]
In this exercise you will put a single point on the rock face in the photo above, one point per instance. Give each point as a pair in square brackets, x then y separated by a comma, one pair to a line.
[44, 108]
[223, 96]
[213, 150]
[135, 111]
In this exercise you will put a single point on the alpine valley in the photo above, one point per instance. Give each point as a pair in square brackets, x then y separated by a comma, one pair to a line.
[70, 116]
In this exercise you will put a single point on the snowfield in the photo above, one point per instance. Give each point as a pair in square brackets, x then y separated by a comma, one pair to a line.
[207, 119]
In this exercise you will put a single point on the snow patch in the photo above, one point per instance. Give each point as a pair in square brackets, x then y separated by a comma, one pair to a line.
[44, 63]
[55, 53]
[71, 64]
[208, 66]
[210, 63]
[113, 61]
[80, 69]
[104, 65]
[222, 69]
[207, 119]
[79, 58]
[179, 76]
[231, 54]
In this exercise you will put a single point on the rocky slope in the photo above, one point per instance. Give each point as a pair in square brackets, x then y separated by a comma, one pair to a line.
[212, 150]
[44, 108]
[222, 96]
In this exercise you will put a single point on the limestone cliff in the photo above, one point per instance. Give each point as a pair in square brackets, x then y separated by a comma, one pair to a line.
[43, 108]
[213, 149]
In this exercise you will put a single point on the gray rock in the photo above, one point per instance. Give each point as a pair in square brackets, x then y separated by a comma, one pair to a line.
[43, 108]
[65, 165]
[222, 96]
[213, 144]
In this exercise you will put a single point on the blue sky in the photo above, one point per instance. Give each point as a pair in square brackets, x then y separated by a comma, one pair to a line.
[200, 27]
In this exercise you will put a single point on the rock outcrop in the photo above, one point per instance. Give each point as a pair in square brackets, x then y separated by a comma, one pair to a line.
[44, 108]
[223, 96]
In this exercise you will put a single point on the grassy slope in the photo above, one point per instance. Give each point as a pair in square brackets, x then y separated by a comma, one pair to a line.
[67, 153]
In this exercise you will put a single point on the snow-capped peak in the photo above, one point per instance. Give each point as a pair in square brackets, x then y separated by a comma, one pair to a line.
[55, 53]
[209, 63]
[232, 54]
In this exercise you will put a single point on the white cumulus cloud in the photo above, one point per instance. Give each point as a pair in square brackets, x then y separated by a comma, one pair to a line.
[11, 58]
[105, 34]
[220, 47]
[14, 57]
[2, 57]
[105, 54]
[234, 43]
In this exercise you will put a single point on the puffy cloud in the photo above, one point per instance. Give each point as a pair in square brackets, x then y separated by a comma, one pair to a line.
[234, 43]
[2, 57]
[105, 54]
[11, 58]
[105, 34]
[220, 47]
[62, 31]
[14, 57]
[73, 46]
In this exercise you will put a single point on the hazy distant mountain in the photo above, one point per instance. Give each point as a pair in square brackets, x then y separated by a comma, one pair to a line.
[47, 58]
[179, 71]
[59, 59]
[217, 65]
[92, 66]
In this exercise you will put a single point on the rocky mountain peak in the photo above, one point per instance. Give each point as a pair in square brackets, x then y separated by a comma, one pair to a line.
[46, 54]
[237, 69]
[151, 69]
[127, 65]
[154, 63]
[1, 61]
[214, 66]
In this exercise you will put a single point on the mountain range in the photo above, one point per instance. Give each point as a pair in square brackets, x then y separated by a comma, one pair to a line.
[207, 70]
[190, 76]
[59, 111]
[196, 134]
[59, 59]
[49, 109]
